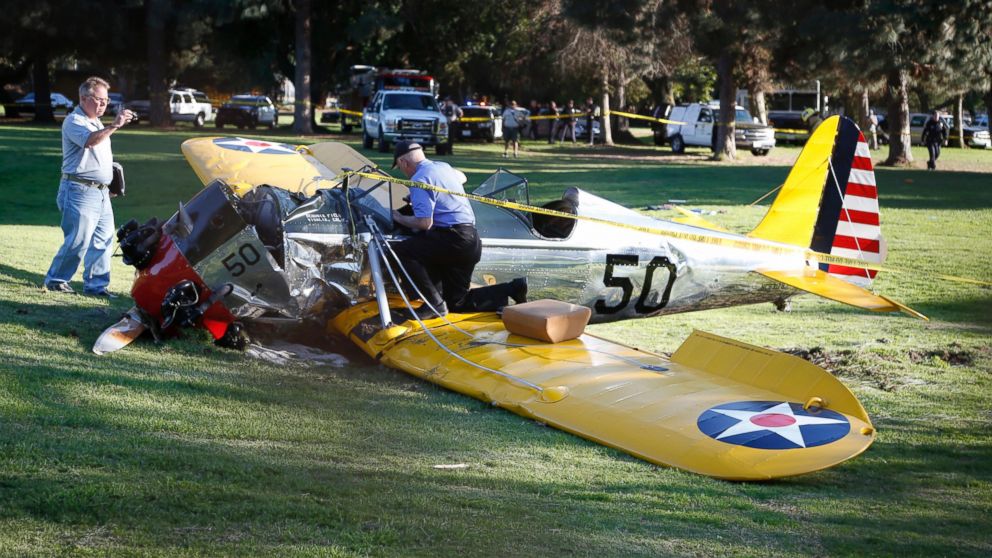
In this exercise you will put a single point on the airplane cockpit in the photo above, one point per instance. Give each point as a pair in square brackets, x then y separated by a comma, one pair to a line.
[500, 222]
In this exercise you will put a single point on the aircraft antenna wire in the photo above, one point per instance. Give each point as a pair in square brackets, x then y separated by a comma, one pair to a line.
[380, 241]
[847, 213]
[445, 348]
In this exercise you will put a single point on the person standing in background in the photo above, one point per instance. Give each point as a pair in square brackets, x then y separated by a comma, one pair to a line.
[535, 109]
[934, 136]
[568, 123]
[513, 121]
[553, 122]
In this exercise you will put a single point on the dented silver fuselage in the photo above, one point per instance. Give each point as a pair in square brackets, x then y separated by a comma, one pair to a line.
[314, 257]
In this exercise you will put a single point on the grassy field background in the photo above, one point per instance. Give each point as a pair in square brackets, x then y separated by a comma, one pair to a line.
[183, 449]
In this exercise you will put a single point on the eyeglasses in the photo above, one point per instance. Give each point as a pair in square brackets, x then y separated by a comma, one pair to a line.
[100, 100]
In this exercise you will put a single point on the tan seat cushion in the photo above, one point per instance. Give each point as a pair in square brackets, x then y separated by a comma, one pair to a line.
[547, 320]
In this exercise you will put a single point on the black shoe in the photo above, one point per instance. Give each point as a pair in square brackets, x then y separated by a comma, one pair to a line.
[518, 290]
[102, 294]
[424, 312]
[59, 287]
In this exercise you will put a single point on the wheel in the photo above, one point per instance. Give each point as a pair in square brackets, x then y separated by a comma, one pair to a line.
[383, 143]
[366, 140]
[491, 138]
[659, 138]
[273, 123]
[444, 149]
[199, 120]
[678, 145]
[345, 127]
[759, 152]
[252, 123]
[241, 125]
[219, 124]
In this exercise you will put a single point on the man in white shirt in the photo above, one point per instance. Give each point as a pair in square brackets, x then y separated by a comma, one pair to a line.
[84, 197]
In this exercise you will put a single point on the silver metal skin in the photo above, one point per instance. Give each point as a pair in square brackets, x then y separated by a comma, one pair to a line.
[618, 272]
[623, 273]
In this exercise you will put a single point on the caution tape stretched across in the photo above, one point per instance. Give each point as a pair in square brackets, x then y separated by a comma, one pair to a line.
[642, 117]
[740, 243]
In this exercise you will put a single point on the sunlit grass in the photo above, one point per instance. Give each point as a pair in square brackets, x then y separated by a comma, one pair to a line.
[183, 449]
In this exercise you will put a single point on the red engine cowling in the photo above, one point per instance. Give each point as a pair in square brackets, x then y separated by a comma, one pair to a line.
[167, 268]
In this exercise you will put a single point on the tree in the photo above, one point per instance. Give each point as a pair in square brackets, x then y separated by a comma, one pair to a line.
[303, 114]
[622, 41]
[156, 13]
[896, 42]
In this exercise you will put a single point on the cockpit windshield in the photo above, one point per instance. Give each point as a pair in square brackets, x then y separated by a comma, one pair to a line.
[506, 186]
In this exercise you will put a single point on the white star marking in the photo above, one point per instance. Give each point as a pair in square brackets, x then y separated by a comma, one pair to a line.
[790, 430]
[256, 146]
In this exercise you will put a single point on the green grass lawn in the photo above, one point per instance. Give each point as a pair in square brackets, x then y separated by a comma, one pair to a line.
[184, 449]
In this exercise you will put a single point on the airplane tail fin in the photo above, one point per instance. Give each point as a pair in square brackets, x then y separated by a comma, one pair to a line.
[829, 201]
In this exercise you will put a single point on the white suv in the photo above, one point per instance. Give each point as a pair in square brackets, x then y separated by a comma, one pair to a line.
[404, 115]
[700, 129]
[190, 105]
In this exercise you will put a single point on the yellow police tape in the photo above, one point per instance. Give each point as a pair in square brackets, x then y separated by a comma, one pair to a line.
[741, 243]
[792, 131]
[642, 117]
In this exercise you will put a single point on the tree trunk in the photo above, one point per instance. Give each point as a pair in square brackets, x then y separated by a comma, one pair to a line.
[898, 120]
[622, 100]
[959, 120]
[864, 108]
[607, 132]
[155, 16]
[758, 107]
[303, 108]
[988, 97]
[725, 146]
[42, 88]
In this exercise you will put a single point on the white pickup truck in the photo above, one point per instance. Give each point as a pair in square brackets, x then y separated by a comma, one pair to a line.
[700, 129]
[185, 105]
[404, 115]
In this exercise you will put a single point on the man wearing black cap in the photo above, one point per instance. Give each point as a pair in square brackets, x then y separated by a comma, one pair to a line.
[441, 258]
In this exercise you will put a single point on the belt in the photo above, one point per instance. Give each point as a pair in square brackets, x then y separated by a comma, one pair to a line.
[84, 182]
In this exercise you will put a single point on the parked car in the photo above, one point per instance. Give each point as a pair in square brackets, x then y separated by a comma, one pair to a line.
[394, 115]
[116, 103]
[185, 105]
[247, 111]
[489, 129]
[700, 129]
[974, 136]
[581, 132]
[26, 104]
[331, 113]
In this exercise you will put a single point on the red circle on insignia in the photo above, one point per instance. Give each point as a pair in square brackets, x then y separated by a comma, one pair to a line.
[771, 420]
[257, 143]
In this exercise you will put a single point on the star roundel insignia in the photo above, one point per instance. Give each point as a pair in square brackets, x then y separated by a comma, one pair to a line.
[772, 425]
[255, 146]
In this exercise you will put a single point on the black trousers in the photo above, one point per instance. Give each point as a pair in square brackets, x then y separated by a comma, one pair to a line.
[934, 149]
[441, 260]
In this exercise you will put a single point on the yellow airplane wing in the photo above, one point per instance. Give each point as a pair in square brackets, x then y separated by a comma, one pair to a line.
[821, 283]
[717, 407]
[245, 163]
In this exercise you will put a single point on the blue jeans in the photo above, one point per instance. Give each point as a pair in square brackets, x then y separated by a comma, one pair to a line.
[88, 226]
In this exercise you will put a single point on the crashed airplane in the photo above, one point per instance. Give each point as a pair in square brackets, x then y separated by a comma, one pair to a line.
[291, 235]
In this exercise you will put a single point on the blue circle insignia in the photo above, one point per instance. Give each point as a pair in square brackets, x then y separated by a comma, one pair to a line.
[775, 425]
